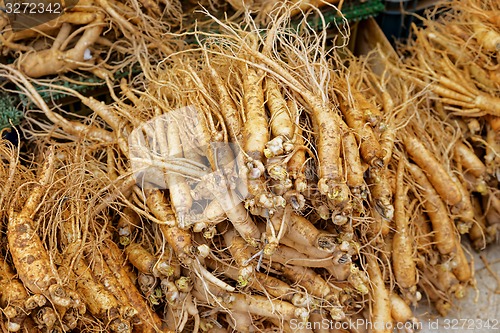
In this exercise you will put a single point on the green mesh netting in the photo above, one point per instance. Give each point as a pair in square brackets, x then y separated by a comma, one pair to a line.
[9, 114]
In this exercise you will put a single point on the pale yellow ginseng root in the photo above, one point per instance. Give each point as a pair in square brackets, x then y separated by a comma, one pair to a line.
[99, 301]
[297, 162]
[433, 169]
[32, 262]
[55, 61]
[401, 311]
[463, 210]
[353, 166]
[276, 228]
[300, 230]
[488, 38]
[255, 131]
[70, 127]
[480, 234]
[255, 137]
[240, 321]
[471, 101]
[381, 192]
[259, 281]
[146, 262]
[239, 217]
[403, 264]
[253, 304]
[354, 107]
[287, 255]
[112, 256]
[181, 242]
[128, 222]
[168, 135]
[442, 225]
[241, 252]
[79, 18]
[461, 269]
[227, 107]
[380, 317]
[492, 156]
[280, 120]
[469, 160]
[315, 286]
[326, 121]
[15, 302]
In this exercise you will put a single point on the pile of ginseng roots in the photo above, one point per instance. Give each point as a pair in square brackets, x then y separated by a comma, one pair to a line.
[102, 37]
[258, 181]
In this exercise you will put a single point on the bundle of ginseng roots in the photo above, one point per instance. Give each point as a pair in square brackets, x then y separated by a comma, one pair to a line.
[259, 182]
[89, 37]
[101, 37]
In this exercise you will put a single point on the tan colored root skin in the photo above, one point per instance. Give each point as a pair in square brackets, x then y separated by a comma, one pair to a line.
[99, 301]
[380, 303]
[280, 120]
[403, 264]
[128, 222]
[45, 317]
[317, 320]
[31, 260]
[228, 108]
[144, 261]
[381, 191]
[462, 270]
[243, 222]
[151, 321]
[287, 255]
[469, 160]
[54, 61]
[253, 304]
[480, 234]
[302, 231]
[53, 25]
[494, 123]
[180, 191]
[106, 277]
[491, 157]
[401, 311]
[107, 113]
[330, 172]
[328, 124]
[179, 240]
[442, 225]
[12, 289]
[486, 37]
[423, 233]
[388, 136]
[297, 162]
[160, 207]
[240, 251]
[311, 252]
[437, 175]
[370, 148]
[444, 280]
[12, 295]
[259, 281]
[352, 160]
[308, 279]
[255, 130]
[464, 210]
[240, 321]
